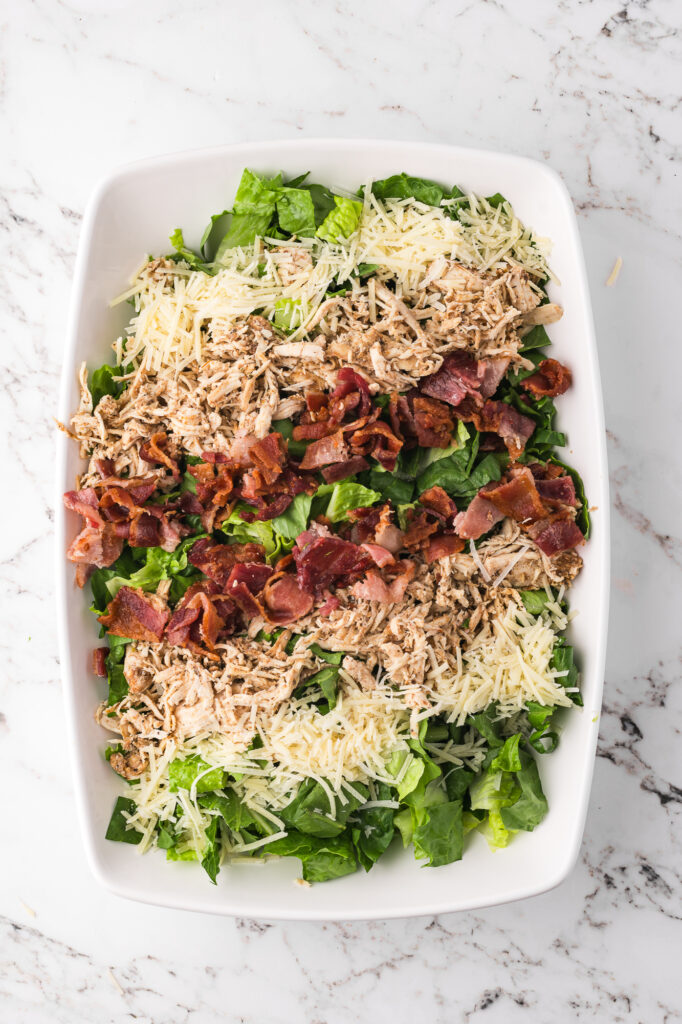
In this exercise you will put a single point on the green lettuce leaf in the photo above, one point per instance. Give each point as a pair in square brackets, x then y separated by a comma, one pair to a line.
[387, 485]
[182, 773]
[342, 221]
[258, 532]
[296, 212]
[210, 861]
[531, 806]
[189, 256]
[507, 758]
[253, 211]
[117, 829]
[403, 186]
[237, 815]
[343, 497]
[287, 315]
[157, 565]
[294, 520]
[373, 829]
[309, 812]
[102, 382]
[439, 836]
[322, 858]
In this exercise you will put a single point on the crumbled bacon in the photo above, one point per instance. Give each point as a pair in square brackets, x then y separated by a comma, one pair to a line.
[461, 375]
[374, 588]
[217, 560]
[556, 533]
[499, 418]
[341, 470]
[135, 615]
[439, 503]
[155, 450]
[479, 517]
[322, 562]
[419, 529]
[540, 498]
[284, 600]
[99, 661]
[329, 449]
[550, 379]
[443, 545]
[518, 498]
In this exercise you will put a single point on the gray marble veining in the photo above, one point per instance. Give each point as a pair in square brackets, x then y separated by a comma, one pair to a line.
[593, 88]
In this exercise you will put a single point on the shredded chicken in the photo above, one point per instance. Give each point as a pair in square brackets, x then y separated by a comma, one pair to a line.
[175, 693]
[250, 374]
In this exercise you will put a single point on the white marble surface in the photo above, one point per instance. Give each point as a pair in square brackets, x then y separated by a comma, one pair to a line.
[592, 87]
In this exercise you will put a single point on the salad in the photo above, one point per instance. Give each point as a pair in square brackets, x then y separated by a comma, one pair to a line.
[328, 533]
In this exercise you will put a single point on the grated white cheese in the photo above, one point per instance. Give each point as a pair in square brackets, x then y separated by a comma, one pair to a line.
[613, 276]
[402, 237]
[509, 662]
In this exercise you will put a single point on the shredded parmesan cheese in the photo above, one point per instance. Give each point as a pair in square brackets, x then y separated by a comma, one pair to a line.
[613, 276]
[403, 238]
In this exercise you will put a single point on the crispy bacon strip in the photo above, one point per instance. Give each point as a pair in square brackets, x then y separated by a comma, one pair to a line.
[550, 379]
[135, 615]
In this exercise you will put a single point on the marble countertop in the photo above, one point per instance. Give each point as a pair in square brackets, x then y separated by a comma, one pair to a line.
[593, 88]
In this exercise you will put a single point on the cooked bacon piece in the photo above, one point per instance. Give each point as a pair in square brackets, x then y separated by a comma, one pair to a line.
[377, 439]
[144, 531]
[442, 545]
[372, 525]
[314, 431]
[387, 533]
[419, 529]
[350, 380]
[117, 505]
[555, 534]
[95, 546]
[171, 531]
[433, 423]
[550, 379]
[499, 418]
[456, 378]
[215, 483]
[375, 588]
[327, 450]
[154, 450]
[284, 600]
[215, 458]
[86, 503]
[342, 470]
[140, 487]
[438, 502]
[324, 561]
[462, 375]
[99, 661]
[252, 575]
[557, 492]
[479, 517]
[217, 560]
[105, 467]
[215, 490]
[135, 615]
[330, 605]
[381, 556]
[201, 617]
[518, 498]
[190, 504]
[491, 372]
[269, 457]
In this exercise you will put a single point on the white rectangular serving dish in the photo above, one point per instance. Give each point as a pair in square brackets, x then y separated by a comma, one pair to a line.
[131, 214]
